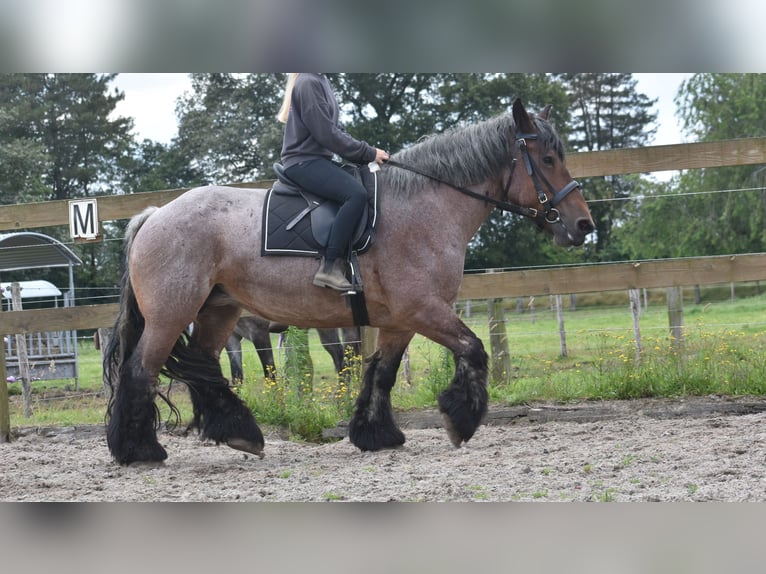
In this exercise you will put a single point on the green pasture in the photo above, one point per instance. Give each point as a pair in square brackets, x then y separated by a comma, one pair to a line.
[723, 352]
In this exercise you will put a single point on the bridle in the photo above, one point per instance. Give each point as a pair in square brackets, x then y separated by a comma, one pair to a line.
[548, 213]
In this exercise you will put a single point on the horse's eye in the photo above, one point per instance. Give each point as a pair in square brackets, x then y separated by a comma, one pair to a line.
[548, 160]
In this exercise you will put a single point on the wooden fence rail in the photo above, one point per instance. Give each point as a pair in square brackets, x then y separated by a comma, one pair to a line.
[690, 271]
[724, 153]
[616, 276]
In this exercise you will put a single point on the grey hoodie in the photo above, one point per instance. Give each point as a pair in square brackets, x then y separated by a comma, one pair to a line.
[312, 129]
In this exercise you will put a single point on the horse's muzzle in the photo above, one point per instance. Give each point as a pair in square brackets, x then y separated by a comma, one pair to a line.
[563, 236]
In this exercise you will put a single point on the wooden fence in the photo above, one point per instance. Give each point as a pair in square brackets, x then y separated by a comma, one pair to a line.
[576, 279]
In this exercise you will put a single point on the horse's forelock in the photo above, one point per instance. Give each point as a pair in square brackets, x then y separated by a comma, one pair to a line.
[548, 138]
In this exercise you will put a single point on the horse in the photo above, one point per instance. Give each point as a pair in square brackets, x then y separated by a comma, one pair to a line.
[198, 259]
[257, 330]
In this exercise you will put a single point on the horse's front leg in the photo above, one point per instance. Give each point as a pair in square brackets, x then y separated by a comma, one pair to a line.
[372, 426]
[464, 403]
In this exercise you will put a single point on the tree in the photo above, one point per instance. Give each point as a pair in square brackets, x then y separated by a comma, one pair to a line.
[228, 126]
[390, 111]
[608, 113]
[716, 107]
[23, 157]
[73, 119]
[396, 110]
[722, 106]
[58, 140]
[709, 211]
[57, 137]
[155, 166]
[651, 227]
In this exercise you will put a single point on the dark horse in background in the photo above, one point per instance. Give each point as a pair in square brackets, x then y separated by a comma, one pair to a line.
[258, 331]
[197, 259]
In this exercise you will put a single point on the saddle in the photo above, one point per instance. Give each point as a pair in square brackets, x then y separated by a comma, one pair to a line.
[296, 222]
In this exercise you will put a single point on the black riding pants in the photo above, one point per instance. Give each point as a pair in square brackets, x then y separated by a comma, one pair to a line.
[326, 179]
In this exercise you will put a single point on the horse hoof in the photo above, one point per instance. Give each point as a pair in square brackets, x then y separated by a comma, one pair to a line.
[146, 454]
[246, 446]
[369, 439]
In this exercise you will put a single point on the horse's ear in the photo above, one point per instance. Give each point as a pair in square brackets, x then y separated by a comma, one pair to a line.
[546, 112]
[521, 117]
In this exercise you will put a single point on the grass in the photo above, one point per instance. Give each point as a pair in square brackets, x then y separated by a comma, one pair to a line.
[723, 352]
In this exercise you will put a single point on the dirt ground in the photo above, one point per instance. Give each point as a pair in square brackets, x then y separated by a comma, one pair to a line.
[709, 449]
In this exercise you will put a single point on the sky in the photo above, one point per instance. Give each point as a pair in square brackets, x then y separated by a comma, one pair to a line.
[150, 100]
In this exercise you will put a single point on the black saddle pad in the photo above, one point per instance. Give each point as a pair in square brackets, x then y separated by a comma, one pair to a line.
[296, 222]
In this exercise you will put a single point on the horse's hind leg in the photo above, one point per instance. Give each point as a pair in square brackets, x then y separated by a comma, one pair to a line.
[261, 339]
[220, 414]
[372, 426]
[256, 330]
[234, 352]
[332, 344]
[133, 417]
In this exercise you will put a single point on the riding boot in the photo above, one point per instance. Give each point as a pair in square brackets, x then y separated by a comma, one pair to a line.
[331, 274]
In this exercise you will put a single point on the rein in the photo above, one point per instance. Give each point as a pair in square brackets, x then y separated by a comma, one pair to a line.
[548, 214]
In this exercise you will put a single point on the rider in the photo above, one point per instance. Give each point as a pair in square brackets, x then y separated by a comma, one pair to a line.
[312, 135]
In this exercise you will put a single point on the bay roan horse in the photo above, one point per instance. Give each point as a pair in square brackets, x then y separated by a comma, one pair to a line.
[198, 259]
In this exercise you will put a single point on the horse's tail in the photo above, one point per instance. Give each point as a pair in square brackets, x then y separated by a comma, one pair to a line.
[129, 324]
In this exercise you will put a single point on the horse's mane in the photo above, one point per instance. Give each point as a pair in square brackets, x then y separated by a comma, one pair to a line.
[463, 156]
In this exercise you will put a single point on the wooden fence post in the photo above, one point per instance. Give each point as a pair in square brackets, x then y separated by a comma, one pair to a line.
[369, 341]
[676, 316]
[5, 409]
[406, 371]
[498, 342]
[103, 334]
[299, 367]
[21, 346]
[635, 309]
[562, 331]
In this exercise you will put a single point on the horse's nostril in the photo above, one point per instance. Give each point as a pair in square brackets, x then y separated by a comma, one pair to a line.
[586, 226]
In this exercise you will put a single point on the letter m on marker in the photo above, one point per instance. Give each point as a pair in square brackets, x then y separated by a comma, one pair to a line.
[83, 219]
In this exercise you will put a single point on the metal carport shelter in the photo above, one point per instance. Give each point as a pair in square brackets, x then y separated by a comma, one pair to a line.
[31, 250]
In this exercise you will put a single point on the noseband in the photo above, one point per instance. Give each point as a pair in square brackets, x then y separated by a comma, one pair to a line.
[547, 214]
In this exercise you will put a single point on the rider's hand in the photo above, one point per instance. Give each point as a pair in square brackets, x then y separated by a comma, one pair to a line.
[380, 156]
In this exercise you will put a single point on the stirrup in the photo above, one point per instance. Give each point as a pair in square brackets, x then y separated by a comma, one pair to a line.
[356, 276]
